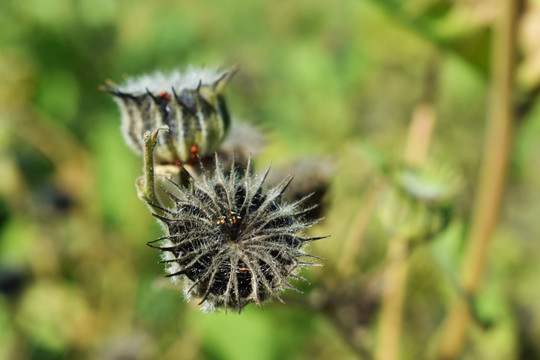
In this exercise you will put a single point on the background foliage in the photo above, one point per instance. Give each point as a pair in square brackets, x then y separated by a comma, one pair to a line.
[334, 79]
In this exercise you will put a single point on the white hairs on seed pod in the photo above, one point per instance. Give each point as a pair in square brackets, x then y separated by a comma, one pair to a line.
[159, 82]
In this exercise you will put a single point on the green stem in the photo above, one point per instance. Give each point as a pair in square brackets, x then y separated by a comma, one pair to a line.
[355, 238]
[147, 191]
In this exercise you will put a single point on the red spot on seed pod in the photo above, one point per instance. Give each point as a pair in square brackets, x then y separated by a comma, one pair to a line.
[193, 158]
[165, 95]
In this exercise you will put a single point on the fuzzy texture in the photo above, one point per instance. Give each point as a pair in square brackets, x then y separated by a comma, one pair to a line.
[191, 104]
[231, 241]
[158, 81]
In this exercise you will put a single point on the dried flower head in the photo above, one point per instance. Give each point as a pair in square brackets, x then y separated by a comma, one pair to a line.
[192, 104]
[231, 240]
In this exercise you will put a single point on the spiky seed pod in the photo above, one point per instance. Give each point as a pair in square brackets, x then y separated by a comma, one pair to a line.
[192, 104]
[418, 201]
[231, 241]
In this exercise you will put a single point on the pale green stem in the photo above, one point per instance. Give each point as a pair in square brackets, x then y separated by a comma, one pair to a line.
[146, 187]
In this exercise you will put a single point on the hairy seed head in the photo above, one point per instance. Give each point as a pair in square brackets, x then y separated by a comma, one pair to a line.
[192, 104]
[231, 240]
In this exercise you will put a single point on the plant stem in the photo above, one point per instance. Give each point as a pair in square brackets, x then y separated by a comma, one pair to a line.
[355, 238]
[491, 181]
[395, 278]
[146, 184]
[420, 133]
[393, 298]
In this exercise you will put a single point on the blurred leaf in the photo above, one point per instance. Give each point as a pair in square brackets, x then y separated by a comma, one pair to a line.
[55, 316]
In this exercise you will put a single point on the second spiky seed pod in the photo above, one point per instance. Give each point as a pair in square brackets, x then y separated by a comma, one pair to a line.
[192, 104]
[418, 202]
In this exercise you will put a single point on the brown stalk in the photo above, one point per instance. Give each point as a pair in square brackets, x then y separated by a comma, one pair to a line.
[491, 181]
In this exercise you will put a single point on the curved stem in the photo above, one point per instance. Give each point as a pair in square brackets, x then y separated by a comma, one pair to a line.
[491, 181]
[146, 184]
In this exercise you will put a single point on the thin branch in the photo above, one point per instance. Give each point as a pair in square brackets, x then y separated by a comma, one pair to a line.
[393, 297]
[355, 238]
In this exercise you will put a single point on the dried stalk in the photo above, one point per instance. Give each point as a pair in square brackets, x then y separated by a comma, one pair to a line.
[491, 180]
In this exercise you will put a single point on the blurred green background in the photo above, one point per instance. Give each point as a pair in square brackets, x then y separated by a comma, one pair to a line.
[333, 79]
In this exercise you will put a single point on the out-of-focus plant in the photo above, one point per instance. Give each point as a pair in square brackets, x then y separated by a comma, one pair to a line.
[422, 263]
